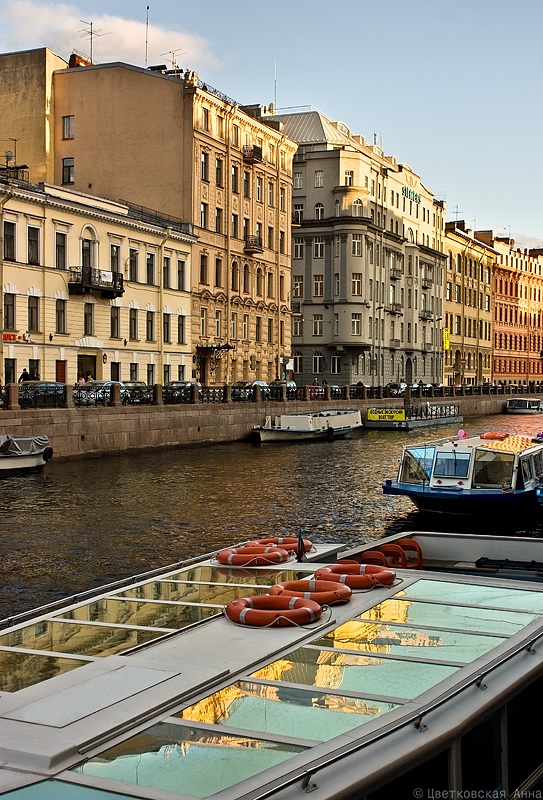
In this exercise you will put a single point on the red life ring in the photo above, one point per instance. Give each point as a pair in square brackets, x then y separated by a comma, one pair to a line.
[289, 543]
[252, 556]
[266, 611]
[493, 435]
[325, 593]
[357, 576]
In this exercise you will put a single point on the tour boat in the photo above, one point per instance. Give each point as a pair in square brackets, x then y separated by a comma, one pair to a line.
[330, 423]
[524, 405]
[20, 454]
[493, 473]
[419, 675]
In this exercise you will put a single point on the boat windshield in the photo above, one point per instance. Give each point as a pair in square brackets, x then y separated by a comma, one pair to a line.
[451, 464]
[492, 470]
[417, 465]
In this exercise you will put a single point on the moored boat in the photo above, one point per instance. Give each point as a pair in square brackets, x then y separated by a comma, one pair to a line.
[330, 423]
[524, 405]
[493, 473]
[163, 687]
[20, 454]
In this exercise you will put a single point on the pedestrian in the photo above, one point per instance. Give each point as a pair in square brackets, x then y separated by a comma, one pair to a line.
[81, 380]
[89, 377]
[24, 376]
[36, 376]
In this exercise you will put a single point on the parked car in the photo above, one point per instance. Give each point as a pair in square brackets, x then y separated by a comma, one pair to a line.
[139, 393]
[41, 394]
[276, 389]
[97, 393]
[180, 391]
[396, 389]
[245, 390]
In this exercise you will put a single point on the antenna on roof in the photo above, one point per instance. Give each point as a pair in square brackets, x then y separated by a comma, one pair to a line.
[173, 54]
[146, 35]
[91, 33]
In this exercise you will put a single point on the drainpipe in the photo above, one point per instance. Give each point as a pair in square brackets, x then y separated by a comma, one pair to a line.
[3, 202]
[160, 321]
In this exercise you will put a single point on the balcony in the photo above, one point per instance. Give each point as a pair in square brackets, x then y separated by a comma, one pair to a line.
[427, 282]
[395, 273]
[297, 217]
[253, 244]
[394, 344]
[425, 313]
[296, 306]
[88, 279]
[394, 308]
[252, 154]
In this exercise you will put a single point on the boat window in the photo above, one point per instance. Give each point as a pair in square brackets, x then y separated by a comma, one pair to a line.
[492, 470]
[451, 464]
[538, 464]
[417, 465]
[527, 469]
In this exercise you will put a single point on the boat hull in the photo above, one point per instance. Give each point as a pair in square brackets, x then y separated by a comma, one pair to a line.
[466, 502]
[266, 435]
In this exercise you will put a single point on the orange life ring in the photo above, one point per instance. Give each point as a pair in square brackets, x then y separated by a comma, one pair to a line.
[252, 556]
[266, 611]
[289, 543]
[325, 593]
[493, 435]
[357, 576]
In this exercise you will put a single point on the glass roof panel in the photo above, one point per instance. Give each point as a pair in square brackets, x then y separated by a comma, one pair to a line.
[219, 574]
[219, 594]
[468, 618]
[366, 674]
[476, 595]
[285, 710]
[20, 670]
[143, 613]
[187, 760]
[61, 790]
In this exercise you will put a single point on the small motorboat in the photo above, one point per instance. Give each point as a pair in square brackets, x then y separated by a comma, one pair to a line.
[20, 454]
[524, 405]
[330, 423]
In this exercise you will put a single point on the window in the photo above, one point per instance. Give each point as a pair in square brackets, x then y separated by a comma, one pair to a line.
[356, 324]
[336, 284]
[219, 171]
[270, 238]
[166, 272]
[298, 181]
[218, 323]
[115, 322]
[282, 202]
[33, 246]
[167, 374]
[133, 371]
[297, 285]
[258, 329]
[204, 164]
[259, 189]
[218, 220]
[114, 257]
[88, 319]
[318, 247]
[167, 327]
[298, 251]
[235, 226]
[270, 285]
[150, 268]
[60, 250]
[318, 285]
[319, 179]
[271, 191]
[203, 268]
[319, 211]
[181, 274]
[357, 244]
[297, 213]
[203, 215]
[296, 326]
[246, 326]
[335, 363]
[235, 277]
[235, 135]
[270, 330]
[68, 127]
[60, 316]
[205, 119]
[133, 324]
[9, 241]
[246, 184]
[246, 279]
[218, 272]
[68, 175]
[133, 264]
[150, 326]
[356, 283]
[235, 179]
[349, 177]
[317, 325]
[9, 312]
[282, 242]
[150, 374]
[259, 282]
[233, 325]
[181, 328]
[318, 363]
[358, 208]
[203, 322]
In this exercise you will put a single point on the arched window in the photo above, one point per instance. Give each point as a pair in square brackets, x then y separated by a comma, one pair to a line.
[318, 362]
[338, 208]
[246, 279]
[235, 277]
[358, 208]
[297, 358]
[259, 282]
[319, 211]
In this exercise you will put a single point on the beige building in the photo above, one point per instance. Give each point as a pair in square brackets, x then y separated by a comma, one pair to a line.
[166, 141]
[92, 286]
[368, 260]
[468, 308]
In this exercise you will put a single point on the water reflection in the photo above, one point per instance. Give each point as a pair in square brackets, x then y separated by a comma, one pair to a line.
[82, 524]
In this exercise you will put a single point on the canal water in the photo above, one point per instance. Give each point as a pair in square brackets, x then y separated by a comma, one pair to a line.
[82, 524]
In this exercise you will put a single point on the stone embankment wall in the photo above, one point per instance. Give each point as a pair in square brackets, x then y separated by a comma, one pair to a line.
[86, 432]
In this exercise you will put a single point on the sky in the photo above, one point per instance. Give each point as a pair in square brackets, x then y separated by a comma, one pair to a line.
[452, 89]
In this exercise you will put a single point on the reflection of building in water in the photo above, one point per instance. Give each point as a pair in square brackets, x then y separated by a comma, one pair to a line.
[413, 638]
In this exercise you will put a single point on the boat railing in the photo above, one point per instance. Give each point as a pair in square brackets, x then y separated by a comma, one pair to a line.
[415, 718]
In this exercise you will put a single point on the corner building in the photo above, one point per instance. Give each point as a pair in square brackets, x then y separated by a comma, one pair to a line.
[368, 260]
[164, 140]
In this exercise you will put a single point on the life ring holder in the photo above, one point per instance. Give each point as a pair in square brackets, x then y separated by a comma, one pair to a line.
[254, 556]
[267, 611]
[289, 543]
[357, 576]
[328, 593]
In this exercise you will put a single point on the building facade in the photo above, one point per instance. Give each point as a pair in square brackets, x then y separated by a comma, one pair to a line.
[194, 155]
[92, 286]
[368, 261]
[467, 307]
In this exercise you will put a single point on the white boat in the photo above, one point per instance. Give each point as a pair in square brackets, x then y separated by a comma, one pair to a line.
[19, 454]
[524, 405]
[490, 474]
[420, 685]
[331, 423]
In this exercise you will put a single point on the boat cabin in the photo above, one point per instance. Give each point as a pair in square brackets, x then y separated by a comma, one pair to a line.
[524, 405]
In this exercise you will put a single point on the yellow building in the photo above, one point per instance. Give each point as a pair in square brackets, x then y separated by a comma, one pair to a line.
[467, 307]
[92, 286]
[165, 140]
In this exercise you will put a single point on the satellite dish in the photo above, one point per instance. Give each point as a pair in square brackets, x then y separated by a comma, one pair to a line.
[9, 156]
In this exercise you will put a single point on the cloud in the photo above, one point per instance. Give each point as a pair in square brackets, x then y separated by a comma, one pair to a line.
[27, 24]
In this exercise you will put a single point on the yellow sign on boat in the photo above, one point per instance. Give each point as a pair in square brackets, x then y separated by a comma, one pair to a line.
[386, 415]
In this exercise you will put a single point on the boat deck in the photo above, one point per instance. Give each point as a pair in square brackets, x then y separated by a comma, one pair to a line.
[147, 690]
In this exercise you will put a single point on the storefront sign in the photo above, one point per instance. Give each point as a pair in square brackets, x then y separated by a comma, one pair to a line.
[410, 194]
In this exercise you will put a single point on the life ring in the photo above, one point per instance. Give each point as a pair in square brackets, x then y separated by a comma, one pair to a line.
[494, 435]
[289, 543]
[48, 454]
[252, 556]
[266, 611]
[357, 576]
[325, 593]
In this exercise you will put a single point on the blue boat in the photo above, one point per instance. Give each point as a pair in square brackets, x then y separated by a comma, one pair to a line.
[493, 473]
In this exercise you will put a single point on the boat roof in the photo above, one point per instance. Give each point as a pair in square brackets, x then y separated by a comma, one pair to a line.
[504, 443]
[147, 690]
